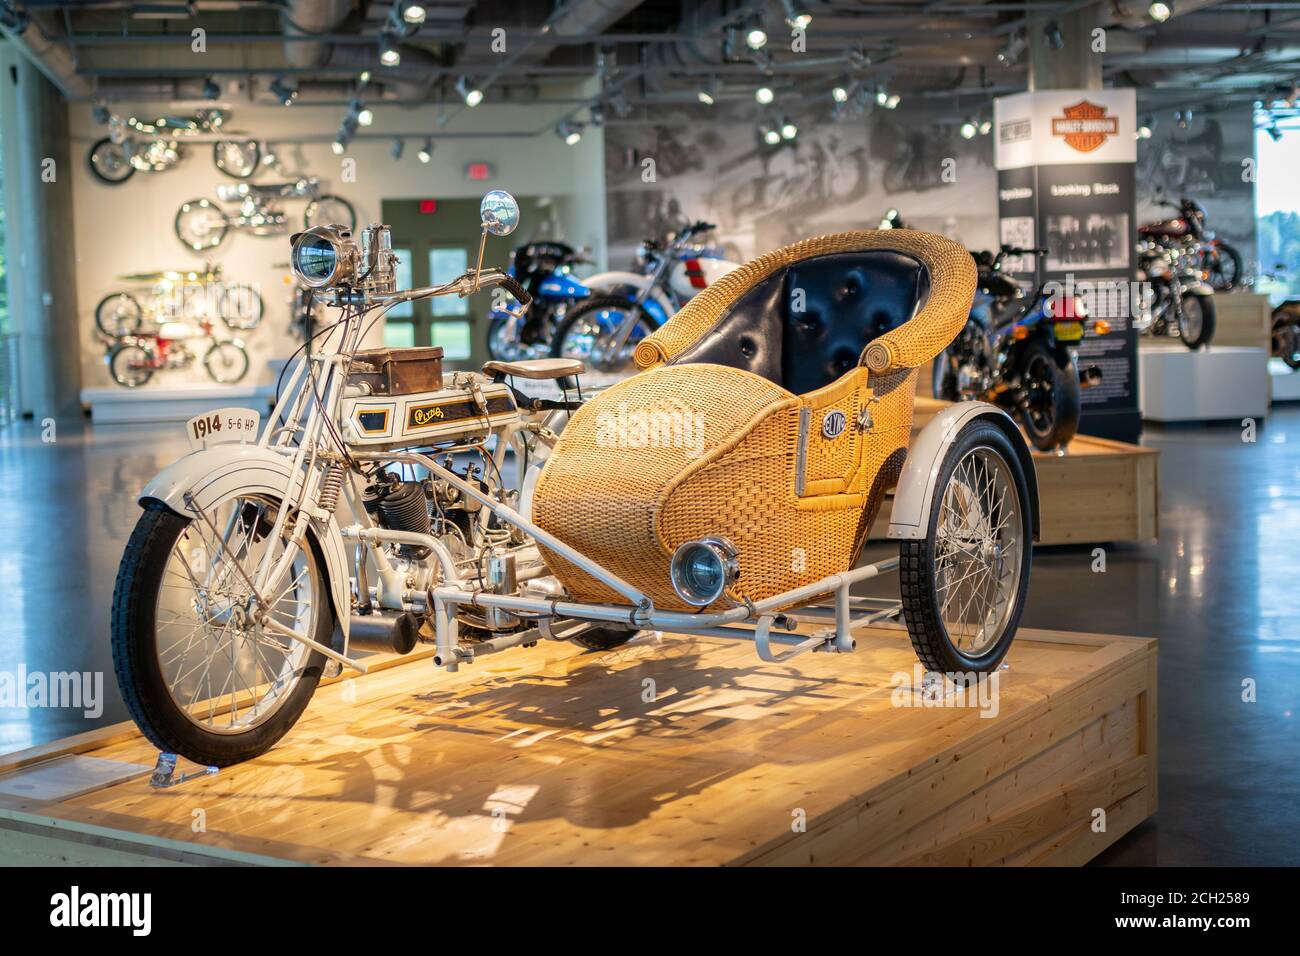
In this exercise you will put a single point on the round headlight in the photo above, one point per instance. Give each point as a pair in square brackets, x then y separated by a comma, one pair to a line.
[321, 257]
[702, 570]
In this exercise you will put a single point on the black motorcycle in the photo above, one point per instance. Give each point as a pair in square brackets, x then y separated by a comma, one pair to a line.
[1019, 352]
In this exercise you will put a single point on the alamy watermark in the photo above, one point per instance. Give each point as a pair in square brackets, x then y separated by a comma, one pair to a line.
[631, 428]
[922, 688]
[73, 690]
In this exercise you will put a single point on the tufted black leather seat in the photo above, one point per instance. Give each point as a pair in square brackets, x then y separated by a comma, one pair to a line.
[806, 324]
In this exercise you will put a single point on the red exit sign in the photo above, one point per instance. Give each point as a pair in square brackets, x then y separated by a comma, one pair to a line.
[428, 206]
[477, 172]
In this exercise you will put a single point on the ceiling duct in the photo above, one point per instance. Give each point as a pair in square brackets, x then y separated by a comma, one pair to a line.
[311, 18]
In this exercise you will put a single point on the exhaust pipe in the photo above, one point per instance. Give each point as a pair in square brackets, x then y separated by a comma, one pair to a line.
[398, 633]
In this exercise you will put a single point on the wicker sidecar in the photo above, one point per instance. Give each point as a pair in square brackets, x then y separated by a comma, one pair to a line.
[730, 484]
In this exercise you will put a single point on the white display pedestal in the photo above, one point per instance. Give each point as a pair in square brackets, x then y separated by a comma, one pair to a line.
[1221, 383]
[1285, 381]
[170, 403]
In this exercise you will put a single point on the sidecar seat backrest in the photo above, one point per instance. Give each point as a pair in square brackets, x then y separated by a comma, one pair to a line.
[807, 323]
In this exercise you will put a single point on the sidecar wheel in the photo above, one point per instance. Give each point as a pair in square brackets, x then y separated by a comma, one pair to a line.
[964, 584]
[197, 679]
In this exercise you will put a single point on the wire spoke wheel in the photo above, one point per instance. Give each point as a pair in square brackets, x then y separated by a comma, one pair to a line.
[964, 584]
[586, 331]
[199, 664]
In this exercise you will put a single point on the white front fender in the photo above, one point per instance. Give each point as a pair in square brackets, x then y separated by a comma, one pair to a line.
[910, 517]
[213, 474]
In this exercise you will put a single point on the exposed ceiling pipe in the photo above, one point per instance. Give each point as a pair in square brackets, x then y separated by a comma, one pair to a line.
[49, 56]
[308, 18]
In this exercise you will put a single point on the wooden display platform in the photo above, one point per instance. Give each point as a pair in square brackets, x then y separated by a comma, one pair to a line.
[552, 756]
[1099, 491]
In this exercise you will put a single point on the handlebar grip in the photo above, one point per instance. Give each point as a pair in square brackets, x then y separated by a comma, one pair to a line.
[511, 285]
[700, 226]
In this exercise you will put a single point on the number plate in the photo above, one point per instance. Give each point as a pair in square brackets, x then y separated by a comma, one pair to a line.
[1069, 331]
[223, 425]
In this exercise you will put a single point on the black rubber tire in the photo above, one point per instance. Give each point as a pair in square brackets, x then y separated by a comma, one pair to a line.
[113, 353]
[1207, 321]
[604, 638]
[1286, 338]
[97, 172]
[99, 316]
[221, 346]
[309, 214]
[135, 661]
[1066, 402]
[260, 308]
[921, 608]
[594, 304]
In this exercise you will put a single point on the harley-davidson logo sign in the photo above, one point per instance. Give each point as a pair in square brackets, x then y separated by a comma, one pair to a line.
[1085, 126]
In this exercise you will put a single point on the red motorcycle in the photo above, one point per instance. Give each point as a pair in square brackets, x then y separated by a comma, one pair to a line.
[133, 359]
[1219, 263]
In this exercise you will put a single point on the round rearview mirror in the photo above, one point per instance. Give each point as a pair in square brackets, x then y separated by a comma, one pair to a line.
[500, 212]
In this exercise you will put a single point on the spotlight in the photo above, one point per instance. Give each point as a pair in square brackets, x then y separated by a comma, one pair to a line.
[796, 14]
[414, 13]
[1010, 53]
[764, 95]
[755, 35]
[788, 129]
[426, 151]
[1160, 12]
[1144, 129]
[363, 77]
[1052, 36]
[282, 91]
[571, 133]
[210, 89]
[388, 52]
[338, 146]
[771, 135]
[708, 93]
[840, 93]
[892, 101]
[705, 97]
[470, 93]
[364, 114]
[882, 96]
[398, 146]
[969, 129]
[986, 127]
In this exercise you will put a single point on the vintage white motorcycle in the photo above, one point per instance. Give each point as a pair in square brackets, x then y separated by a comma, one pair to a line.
[372, 512]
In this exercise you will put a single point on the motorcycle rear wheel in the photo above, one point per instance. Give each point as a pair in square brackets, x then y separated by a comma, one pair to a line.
[1222, 265]
[576, 334]
[118, 314]
[174, 570]
[1052, 403]
[1286, 339]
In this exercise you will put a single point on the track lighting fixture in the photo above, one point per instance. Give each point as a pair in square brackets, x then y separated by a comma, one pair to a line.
[764, 95]
[414, 13]
[570, 132]
[388, 52]
[426, 151]
[469, 93]
[282, 91]
[1161, 10]
[755, 35]
[796, 14]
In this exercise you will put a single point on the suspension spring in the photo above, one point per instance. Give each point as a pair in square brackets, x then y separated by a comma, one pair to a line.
[331, 483]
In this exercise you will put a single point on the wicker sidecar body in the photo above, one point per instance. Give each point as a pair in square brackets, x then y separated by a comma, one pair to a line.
[743, 466]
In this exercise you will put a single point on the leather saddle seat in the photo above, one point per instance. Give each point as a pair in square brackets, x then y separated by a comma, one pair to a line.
[774, 410]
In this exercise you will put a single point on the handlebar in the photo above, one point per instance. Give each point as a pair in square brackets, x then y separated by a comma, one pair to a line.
[511, 285]
[1020, 251]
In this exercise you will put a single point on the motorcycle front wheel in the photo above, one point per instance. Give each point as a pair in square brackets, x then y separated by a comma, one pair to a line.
[330, 210]
[1050, 411]
[241, 307]
[110, 162]
[238, 159]
[200, 225]
[964, 584]
[581, 329]
[1196, 320]
[200, 674]
[130, 365]
[226, 362]
[504, 347]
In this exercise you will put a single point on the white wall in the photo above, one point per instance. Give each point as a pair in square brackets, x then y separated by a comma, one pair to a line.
[129, 227]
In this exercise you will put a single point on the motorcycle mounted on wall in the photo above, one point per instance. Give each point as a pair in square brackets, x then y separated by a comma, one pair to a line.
[1020, 352]
[625, 307]
[132, 144]
[178, 294]
[1219, 263]
[202, 224]
[545, 269]
[1177, 300]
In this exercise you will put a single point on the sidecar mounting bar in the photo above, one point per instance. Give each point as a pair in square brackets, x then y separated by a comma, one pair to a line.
[512, 517]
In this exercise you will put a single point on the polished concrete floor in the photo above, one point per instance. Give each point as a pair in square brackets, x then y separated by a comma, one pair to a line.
[1219, 591]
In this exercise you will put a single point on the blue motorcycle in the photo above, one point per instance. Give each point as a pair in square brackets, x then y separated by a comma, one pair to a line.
[1020, 352]
[545, 270]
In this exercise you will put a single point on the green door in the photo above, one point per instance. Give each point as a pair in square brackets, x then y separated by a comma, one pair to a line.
[434, 247]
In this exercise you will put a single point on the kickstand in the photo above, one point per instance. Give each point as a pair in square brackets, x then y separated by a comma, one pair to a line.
[165, 773]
